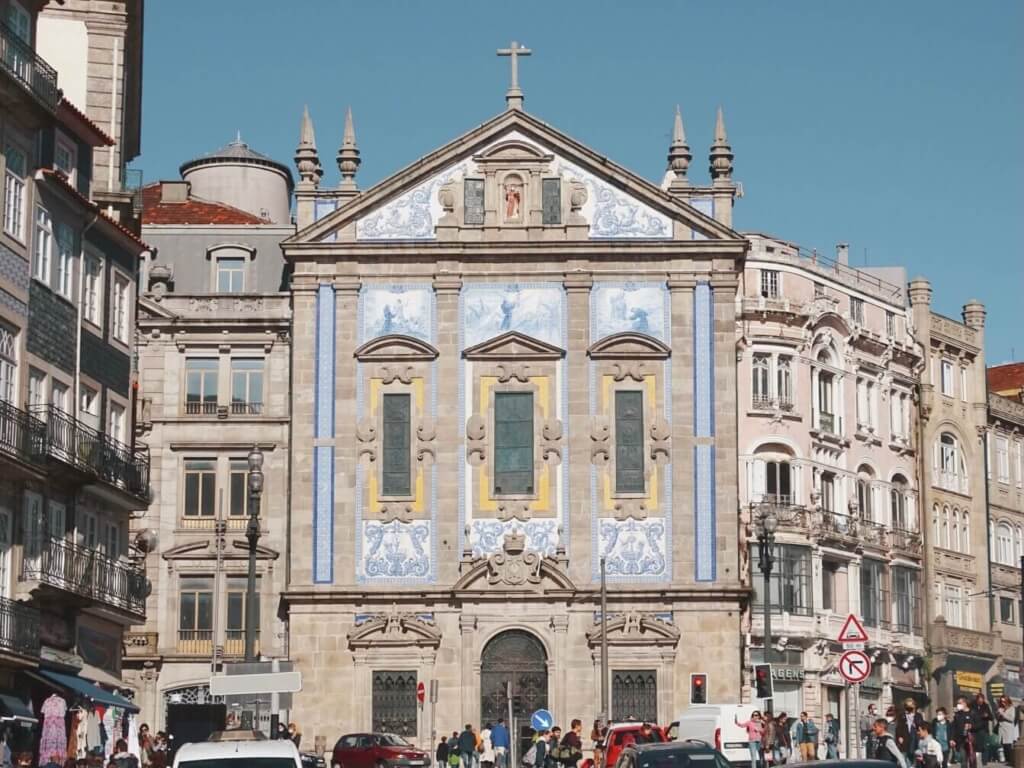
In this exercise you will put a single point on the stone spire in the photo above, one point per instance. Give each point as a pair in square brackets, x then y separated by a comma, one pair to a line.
[306, 158]
[721, 153]
[348, 155]
[679, 156]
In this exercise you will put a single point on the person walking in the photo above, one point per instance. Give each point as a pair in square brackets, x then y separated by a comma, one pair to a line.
[941, 729]
[929, 751]
[782, 749]
[122, 758]
[536, 755]
[867, 729]
[500, 740]
[985, 723]
[294, 734]
[570, 750]
[906, 728]
[1006, 726]
[831, 737]
[806, 732]
[441, 753]
[886, 747]
[487, 747]
[467, 747]
[755, 733]
[962, 737]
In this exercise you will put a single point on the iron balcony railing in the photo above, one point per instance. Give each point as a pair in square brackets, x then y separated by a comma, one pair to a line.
[21, 62]
[839, 527]
[19, 628]
[82, 571]
[21, 434]
[199, 642]
[248, 408]
[205, 407]
[907, 541]
[69, 440]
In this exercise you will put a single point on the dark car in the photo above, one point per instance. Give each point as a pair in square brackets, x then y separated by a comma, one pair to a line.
[672, 754]
[853, 763]
[377, 750]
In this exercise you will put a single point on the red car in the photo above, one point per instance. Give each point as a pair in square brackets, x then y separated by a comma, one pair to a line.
[621, 735]
[377, 750]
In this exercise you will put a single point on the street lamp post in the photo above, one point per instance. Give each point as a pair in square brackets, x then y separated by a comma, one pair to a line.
[767, 523]
[252, 535]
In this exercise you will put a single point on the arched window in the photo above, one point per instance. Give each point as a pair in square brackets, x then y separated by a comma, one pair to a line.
[759, 384]
[949, 463]
[944, 541]
[865, 505]
[826, 396]
[954, 542]
[898, 504]
[965, 531]
[1018, 545]
[936, 526]
[1004, 544]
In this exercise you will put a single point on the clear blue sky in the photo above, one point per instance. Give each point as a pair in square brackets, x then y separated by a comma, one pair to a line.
[894, 126]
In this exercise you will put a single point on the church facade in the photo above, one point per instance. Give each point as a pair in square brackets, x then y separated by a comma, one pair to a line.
[512, 361]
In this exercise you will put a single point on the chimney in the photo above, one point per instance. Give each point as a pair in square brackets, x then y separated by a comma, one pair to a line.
[843, 254]
[174, 191]
[974, 314]
[920, 292]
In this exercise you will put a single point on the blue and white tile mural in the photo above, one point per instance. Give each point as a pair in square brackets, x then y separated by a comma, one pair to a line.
[532, 309]
[639, 307]
[404, 309]
[412, 215]
[634, 548]
[396, 550]
[486, 536]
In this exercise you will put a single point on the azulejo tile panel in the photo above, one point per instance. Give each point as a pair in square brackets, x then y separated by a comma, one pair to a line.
[637, 307]
[323, 456]
[704, 429]
[323, 514]
[534, 309]
[403, 309]
[396, 550]
[412, 215]
[634, 548]
[488, 535]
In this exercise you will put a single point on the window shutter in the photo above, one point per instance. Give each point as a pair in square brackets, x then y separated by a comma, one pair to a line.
[759, 479]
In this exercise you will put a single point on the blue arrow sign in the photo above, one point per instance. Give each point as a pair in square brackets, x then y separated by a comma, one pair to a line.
[542, 720]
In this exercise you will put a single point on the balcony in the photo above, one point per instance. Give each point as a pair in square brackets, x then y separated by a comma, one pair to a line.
[21, 434]
[69, 567]
[199, 642]
[829, 423]
[906, 542]
[248, 409]
[19, 628]
[32, 73]
[851, 531]
[94, 454]
[204, 408]
[790, 516]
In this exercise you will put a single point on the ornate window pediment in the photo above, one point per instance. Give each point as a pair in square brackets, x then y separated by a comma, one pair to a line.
[629, 345]
[634, 628]
[236, 549]
[395, 629]
[513, 346]
[395, 347]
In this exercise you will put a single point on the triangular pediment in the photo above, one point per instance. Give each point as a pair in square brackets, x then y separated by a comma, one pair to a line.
[395, 347]
[639, 629]
[513, 346]
[629, 345]
[616, 203]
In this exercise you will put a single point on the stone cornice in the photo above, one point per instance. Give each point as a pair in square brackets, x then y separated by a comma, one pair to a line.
[612, 249]
[617, 594]
[1005, 409]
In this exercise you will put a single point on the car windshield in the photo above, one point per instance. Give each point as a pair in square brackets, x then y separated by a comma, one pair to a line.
[392, 740]
[242, 761]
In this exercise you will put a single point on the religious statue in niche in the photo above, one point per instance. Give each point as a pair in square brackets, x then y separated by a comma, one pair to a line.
[513, 198]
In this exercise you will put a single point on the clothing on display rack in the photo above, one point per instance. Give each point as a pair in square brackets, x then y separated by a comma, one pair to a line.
[74, 718]
[53, 744]
[109, 732]
[132, 725]
[82, 735]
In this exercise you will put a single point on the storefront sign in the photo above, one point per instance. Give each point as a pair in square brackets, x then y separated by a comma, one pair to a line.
[785, 672]
[969, 682]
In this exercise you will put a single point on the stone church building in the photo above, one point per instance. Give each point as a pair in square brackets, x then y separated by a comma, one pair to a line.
[512, 359]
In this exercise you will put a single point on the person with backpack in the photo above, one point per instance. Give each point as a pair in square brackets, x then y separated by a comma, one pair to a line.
[831, 737]
[886, 747]
[537, 753]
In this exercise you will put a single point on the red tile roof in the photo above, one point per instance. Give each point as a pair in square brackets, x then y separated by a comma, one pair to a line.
[57, 178]
[194, 211]
[1006, 379]
[82, 124]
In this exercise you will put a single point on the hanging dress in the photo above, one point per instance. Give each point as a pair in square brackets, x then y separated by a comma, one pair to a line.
[53, 744]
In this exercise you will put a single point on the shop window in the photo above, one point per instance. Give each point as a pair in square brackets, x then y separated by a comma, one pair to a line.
[513, 443]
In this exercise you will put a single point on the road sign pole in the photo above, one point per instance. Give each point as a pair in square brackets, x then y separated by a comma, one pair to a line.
[853, 724]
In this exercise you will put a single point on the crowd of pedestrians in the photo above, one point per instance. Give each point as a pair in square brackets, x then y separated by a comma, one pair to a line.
[490, 748]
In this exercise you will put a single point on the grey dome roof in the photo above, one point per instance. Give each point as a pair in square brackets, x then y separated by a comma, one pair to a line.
[237, 151]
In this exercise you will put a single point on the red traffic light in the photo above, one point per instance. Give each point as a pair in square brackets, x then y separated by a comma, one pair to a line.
[698, 681]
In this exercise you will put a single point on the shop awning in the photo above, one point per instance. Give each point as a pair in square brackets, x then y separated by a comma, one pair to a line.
[13, 709]
[82, 687]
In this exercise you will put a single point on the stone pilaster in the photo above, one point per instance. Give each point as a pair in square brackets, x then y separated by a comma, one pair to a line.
[470, 698]
[577, 473]
[345, 458]
[302, 404]
[558, 667]
[726, 480]
[681, 296]
[447, 284]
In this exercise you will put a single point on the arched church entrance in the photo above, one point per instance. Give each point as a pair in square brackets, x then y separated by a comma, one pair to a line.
[514, 658]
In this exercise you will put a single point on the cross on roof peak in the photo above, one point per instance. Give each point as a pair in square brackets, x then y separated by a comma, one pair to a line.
[514, 94]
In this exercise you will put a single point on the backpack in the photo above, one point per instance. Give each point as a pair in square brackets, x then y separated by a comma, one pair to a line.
[530, 758]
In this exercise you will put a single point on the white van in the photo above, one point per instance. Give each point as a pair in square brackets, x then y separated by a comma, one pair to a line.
[228, 753]
[716, 724]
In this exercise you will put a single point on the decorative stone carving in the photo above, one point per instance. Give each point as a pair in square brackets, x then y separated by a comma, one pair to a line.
[630, 508]
[395, 629]
[514, 510]
[518, 372]
[600, 439]
[514, 566]
[403, 373]
[476, 440]
[660, 433]
[635, 628]
[426, 432]
[551, 441]
[629, 370]
[391, 511]
[366, 436]
[446, 197]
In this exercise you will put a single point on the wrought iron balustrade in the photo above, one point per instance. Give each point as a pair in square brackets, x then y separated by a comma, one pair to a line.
[828, 422]
[21, 62]
[19, 628]
[72, 442]
[762, 403]
[83, 571]
[248, 408]
[907, 541]
[195, 641]
[21, 434]
[204, 408]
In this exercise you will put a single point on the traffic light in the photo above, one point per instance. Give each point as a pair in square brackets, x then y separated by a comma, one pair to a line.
[698, 688]
[763, 681]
